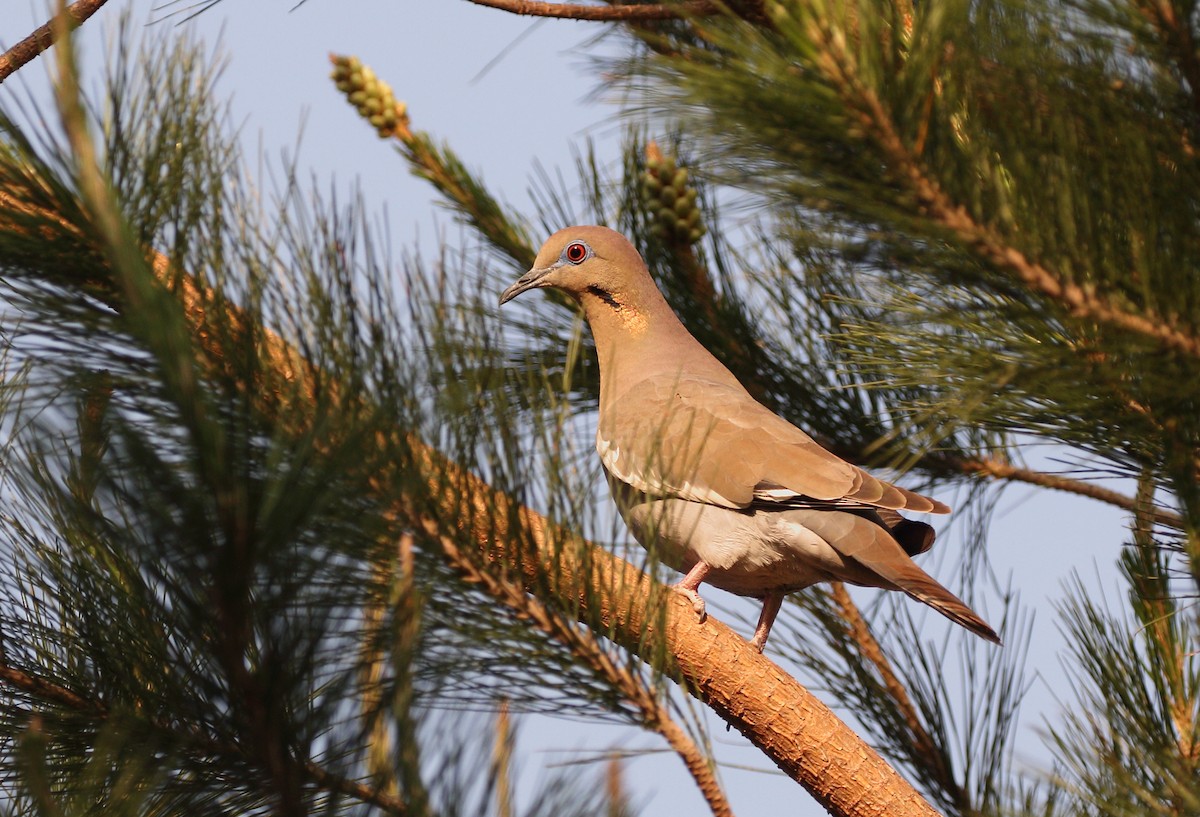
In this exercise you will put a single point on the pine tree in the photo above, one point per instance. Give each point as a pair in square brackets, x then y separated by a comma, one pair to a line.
[272, 529]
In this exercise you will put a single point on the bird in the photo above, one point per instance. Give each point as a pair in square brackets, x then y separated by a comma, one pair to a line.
[713, 483]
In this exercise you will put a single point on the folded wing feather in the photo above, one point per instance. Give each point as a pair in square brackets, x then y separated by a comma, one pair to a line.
[711, 442]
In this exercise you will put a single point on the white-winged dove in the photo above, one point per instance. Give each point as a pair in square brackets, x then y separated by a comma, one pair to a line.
[720, 487]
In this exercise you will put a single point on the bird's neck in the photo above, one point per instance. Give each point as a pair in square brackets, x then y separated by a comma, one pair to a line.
[638, 336]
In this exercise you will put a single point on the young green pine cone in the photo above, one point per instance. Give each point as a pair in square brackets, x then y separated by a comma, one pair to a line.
[667, 194]
[371, 96]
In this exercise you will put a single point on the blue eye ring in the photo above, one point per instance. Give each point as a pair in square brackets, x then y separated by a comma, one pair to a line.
[576, 252]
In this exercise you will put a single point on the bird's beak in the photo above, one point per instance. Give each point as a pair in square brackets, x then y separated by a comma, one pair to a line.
[530, 280]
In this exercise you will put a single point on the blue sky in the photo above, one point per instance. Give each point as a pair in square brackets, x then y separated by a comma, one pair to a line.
[507, 93]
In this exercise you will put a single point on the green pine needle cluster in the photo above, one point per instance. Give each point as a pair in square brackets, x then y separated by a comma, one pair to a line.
[673, 201]
[246, 563]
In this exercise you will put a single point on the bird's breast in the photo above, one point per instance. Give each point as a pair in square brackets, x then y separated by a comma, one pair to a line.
[748, 552]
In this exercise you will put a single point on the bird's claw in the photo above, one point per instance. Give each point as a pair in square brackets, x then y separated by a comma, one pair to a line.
[697, 602]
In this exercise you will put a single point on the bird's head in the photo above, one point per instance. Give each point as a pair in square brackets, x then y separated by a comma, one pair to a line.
[588, 263]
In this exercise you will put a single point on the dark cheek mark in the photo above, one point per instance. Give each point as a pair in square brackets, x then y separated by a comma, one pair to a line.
[604, 295]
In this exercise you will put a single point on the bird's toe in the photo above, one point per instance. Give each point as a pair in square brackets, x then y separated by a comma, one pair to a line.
[697, 602]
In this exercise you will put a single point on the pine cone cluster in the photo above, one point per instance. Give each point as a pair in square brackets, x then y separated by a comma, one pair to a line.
[670, 199]
[371, 96]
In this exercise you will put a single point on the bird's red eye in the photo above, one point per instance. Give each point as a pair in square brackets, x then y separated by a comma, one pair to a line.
[575, 252]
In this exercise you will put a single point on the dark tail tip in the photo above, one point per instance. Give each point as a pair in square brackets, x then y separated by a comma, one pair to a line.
[915, 537]
[949, 605]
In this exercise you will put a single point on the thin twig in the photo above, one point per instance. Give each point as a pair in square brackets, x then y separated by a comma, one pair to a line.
[999, 469]
[43, 37]
[329, 781]
[47, 690]
[923, 743]
[613, 13]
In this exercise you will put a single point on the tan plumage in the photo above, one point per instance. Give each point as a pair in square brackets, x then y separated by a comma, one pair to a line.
[717, 484]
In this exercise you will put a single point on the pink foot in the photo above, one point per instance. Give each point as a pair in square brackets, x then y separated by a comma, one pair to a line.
[687, 586]
[694, 598]
[771, 605]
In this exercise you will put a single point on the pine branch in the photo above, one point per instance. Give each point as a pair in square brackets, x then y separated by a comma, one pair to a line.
[1076, 300]
[924, 749]
[1130, 744]
[439, 166]
[50, 692]
[47, 690]
[747, 690]
[586, 648]
[43, 37]
[991, 468]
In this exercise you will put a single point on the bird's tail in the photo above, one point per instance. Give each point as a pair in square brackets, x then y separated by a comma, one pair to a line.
[928, 591]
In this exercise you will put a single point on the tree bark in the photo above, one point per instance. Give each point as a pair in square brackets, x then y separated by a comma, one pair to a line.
[43, 37]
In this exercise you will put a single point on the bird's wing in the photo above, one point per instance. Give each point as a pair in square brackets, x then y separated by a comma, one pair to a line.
[712, 442]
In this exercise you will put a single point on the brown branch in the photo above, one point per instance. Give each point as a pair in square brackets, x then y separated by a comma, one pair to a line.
[329, 781]
[999, 469]
[43, 37]
[779, 716]
[47, 690]
[614, 13]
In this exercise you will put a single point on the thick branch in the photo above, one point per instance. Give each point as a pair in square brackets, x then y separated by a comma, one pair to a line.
[43, 37]
[779, 716]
